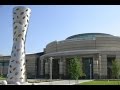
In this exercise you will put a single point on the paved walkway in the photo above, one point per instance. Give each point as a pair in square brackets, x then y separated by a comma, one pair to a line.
[63, 82]
[60, 82]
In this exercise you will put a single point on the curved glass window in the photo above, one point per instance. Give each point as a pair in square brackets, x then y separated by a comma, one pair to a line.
[89, 36]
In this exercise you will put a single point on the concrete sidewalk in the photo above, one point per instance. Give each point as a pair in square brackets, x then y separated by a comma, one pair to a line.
[60, 82]
[63, 82]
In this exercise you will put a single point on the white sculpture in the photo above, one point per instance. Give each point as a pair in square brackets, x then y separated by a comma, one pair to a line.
[4, 82]
[17, 83]
[33, 83]
[17, 69]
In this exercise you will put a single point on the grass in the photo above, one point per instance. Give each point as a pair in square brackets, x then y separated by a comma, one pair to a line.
[2, 78]
[102, 82]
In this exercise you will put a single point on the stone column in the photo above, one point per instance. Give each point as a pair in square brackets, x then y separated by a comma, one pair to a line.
[61, 67]
[17, 64]
[41, 68]
[103, 66]
[96, 67]
[46, 69]
[64, 67]
[51, 59]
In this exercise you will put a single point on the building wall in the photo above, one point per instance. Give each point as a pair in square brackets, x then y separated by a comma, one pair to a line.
[97, 72]
[110, 43]
[4, 61]
[68, 45]
[103, 71]
[106, 46]
[30, 65]
[99, 63]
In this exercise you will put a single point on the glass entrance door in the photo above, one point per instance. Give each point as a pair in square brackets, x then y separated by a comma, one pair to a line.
[55, 69]
[88, 67]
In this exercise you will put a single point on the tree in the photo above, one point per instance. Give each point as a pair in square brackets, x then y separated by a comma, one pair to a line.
[115, 69]
[75, 68]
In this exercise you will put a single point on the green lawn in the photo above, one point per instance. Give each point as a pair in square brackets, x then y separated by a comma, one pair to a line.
[2, 78]
[104, 82]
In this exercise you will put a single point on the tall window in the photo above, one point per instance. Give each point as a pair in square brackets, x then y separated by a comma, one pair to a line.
[4, 67]
[110, 58]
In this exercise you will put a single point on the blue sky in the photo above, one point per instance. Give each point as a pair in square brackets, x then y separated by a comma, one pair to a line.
[57, 22]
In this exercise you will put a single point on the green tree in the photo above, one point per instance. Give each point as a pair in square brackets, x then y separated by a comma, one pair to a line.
[115, 69]
[75, 68]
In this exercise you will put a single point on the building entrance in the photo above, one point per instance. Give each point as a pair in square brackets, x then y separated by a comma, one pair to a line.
[109, 66]
[88, 67]
[55, 69]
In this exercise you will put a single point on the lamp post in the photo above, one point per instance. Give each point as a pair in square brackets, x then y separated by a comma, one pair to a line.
[35, 68]
[97, 68]
[0, 69]
[2, 66]
[100, 65]
[90, 70]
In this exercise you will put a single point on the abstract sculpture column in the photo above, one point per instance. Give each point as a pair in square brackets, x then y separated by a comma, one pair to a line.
[17, 69]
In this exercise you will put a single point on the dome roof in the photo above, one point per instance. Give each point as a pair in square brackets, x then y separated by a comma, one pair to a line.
[89, 36]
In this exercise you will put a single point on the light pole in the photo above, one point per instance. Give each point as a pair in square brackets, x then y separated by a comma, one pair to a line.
[51, 58]
[97, 68]
[90, 70]
[35, 68]
[100, 65]
[3, 66]
[0, 68]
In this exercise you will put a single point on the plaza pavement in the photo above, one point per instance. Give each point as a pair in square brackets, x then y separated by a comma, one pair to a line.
[58, 82]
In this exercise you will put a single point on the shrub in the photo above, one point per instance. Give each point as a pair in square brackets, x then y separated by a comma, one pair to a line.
[75, 68]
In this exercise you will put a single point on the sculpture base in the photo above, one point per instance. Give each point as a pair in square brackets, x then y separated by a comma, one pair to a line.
[15, 83]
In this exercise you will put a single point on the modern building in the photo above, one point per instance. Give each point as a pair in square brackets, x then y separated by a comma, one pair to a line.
[32, 65]
[97, 50]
